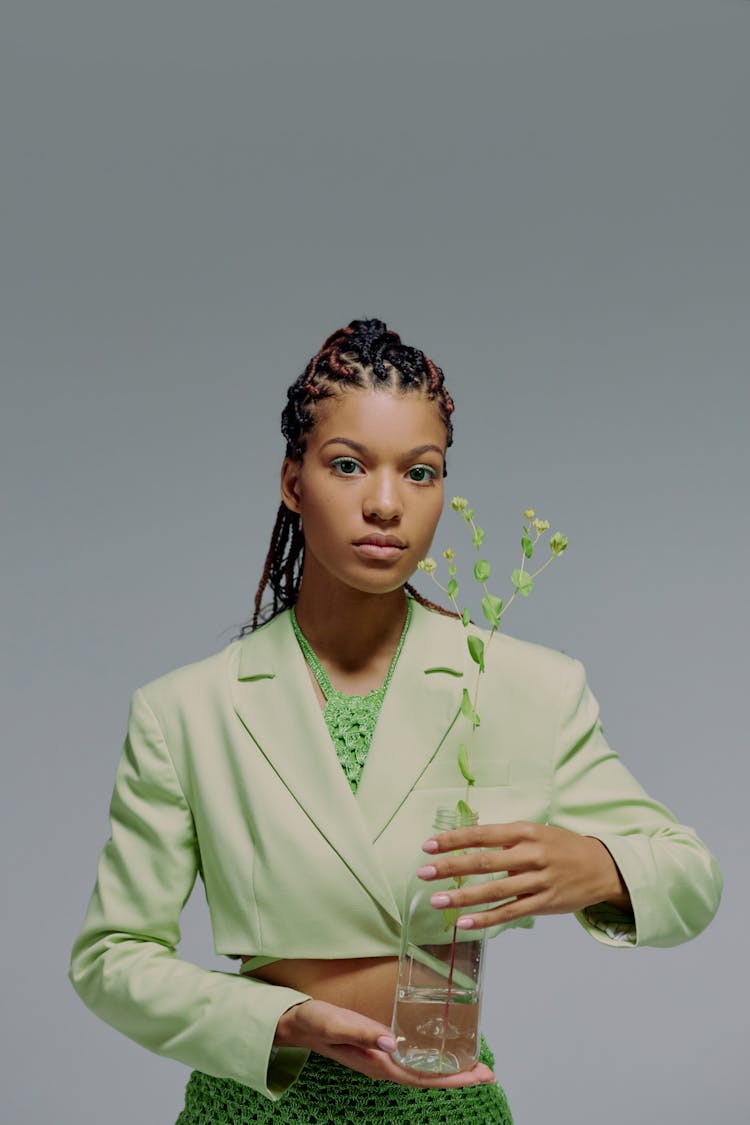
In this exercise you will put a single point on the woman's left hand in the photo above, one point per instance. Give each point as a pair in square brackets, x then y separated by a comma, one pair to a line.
[549, 871]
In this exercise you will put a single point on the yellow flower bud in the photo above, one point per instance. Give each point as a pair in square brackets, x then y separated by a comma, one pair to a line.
[449, 553]
[540, 525]
[429, 566]
[459, 504]
[528, 514]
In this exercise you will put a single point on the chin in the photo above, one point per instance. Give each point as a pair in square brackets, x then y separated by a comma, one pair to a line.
[386, 585]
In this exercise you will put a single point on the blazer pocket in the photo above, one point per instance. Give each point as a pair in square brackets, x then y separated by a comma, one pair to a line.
[445, 774]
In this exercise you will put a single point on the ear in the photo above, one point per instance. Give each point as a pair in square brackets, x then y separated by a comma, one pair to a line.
[290, 483]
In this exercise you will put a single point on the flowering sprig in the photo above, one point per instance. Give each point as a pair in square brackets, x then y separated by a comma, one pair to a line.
[493, 608]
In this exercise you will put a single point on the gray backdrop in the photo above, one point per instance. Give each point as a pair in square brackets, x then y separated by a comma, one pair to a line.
[550, 198]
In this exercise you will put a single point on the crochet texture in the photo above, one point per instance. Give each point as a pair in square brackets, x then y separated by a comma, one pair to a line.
[351, 719]
[327, 1093]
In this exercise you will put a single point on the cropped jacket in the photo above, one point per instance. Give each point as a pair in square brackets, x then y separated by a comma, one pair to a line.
[228, 772]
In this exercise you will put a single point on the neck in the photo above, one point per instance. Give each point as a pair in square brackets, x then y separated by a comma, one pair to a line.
[350, 629]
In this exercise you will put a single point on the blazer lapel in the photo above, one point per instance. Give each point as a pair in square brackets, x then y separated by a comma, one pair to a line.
[275, 700]
[420, 707]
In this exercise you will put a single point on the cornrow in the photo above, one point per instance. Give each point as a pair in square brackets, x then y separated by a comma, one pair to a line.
[428, 604]
[364, 354]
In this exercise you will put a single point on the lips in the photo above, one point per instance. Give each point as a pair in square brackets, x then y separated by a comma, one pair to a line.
[378, 546]
[375, 539]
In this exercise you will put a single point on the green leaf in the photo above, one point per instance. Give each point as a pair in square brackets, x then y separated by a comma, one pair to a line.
[466, 616]
[450, 917]
[476, 648]
[478, 537]
[463, 763]
[467, 709]
[523, 582]
[528, 547]
[452, 569]
[482, 570]
[492, 609]
[463, 809]
[452, 588]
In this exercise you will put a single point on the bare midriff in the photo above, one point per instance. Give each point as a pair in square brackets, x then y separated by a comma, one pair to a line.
[364, 984]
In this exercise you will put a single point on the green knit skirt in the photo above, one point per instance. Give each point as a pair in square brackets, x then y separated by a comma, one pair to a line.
[327, 1093]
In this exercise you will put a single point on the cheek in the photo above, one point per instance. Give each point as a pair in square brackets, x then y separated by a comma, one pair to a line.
[321, 515]
[431, 517]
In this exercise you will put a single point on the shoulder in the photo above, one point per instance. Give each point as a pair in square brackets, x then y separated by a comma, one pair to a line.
[200, 682]
[530, 658]
[523, 682]
[507, 656]
[190, 685]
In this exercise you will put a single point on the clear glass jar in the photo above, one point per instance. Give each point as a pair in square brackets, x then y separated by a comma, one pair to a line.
[439, 990]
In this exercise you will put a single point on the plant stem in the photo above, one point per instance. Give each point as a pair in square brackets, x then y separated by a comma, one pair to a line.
[446, 1009]
[476, 699]
[544, 566]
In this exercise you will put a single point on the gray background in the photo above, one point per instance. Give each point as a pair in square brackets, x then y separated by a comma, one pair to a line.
[550, 198]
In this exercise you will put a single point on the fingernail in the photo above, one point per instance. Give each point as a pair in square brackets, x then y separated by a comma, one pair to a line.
[430, 846]
[465, 924]
[386, 1043]
[440, 900]
[427, 872]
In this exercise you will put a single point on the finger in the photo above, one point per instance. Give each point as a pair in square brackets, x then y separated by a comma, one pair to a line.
[485, 861]
[488, 895]
[377, 1065]
[334, 1025]
[526, 907]
[481, 836]
[479, 1075]
[367, 1035]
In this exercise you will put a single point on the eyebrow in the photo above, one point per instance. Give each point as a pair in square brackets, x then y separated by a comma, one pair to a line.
[358, 448]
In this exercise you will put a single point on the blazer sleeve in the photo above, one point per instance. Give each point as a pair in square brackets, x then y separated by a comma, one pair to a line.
[674, 882]
[124, 963]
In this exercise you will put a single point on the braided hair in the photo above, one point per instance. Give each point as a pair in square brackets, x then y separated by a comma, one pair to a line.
[364, 354]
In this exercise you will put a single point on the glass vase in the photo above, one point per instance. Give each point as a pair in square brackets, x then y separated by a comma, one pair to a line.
[439, 990]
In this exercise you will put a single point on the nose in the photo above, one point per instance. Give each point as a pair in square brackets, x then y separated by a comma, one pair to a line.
[383, 499]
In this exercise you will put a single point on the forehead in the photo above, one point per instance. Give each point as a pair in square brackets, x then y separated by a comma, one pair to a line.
[379, 417]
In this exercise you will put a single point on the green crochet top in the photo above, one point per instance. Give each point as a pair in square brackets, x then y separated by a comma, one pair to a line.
[350, 719]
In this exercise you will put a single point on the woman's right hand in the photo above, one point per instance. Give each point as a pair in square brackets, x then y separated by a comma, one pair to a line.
[361, 1044]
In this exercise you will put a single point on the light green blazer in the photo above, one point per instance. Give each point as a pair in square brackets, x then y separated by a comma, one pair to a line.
[228, 771]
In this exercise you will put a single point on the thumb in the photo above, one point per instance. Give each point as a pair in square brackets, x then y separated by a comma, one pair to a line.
[354, 1029]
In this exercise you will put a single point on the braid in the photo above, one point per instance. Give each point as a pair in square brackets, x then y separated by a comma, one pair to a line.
[282, 570]
[364, 354]
[427, 603]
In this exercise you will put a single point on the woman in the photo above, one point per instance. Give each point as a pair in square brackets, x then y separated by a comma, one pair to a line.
[228, 770]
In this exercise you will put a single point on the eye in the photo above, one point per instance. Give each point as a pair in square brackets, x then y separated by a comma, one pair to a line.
[422, 474]
[345, 466]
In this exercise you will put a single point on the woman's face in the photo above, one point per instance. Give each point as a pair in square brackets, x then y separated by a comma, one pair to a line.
[369, 488]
